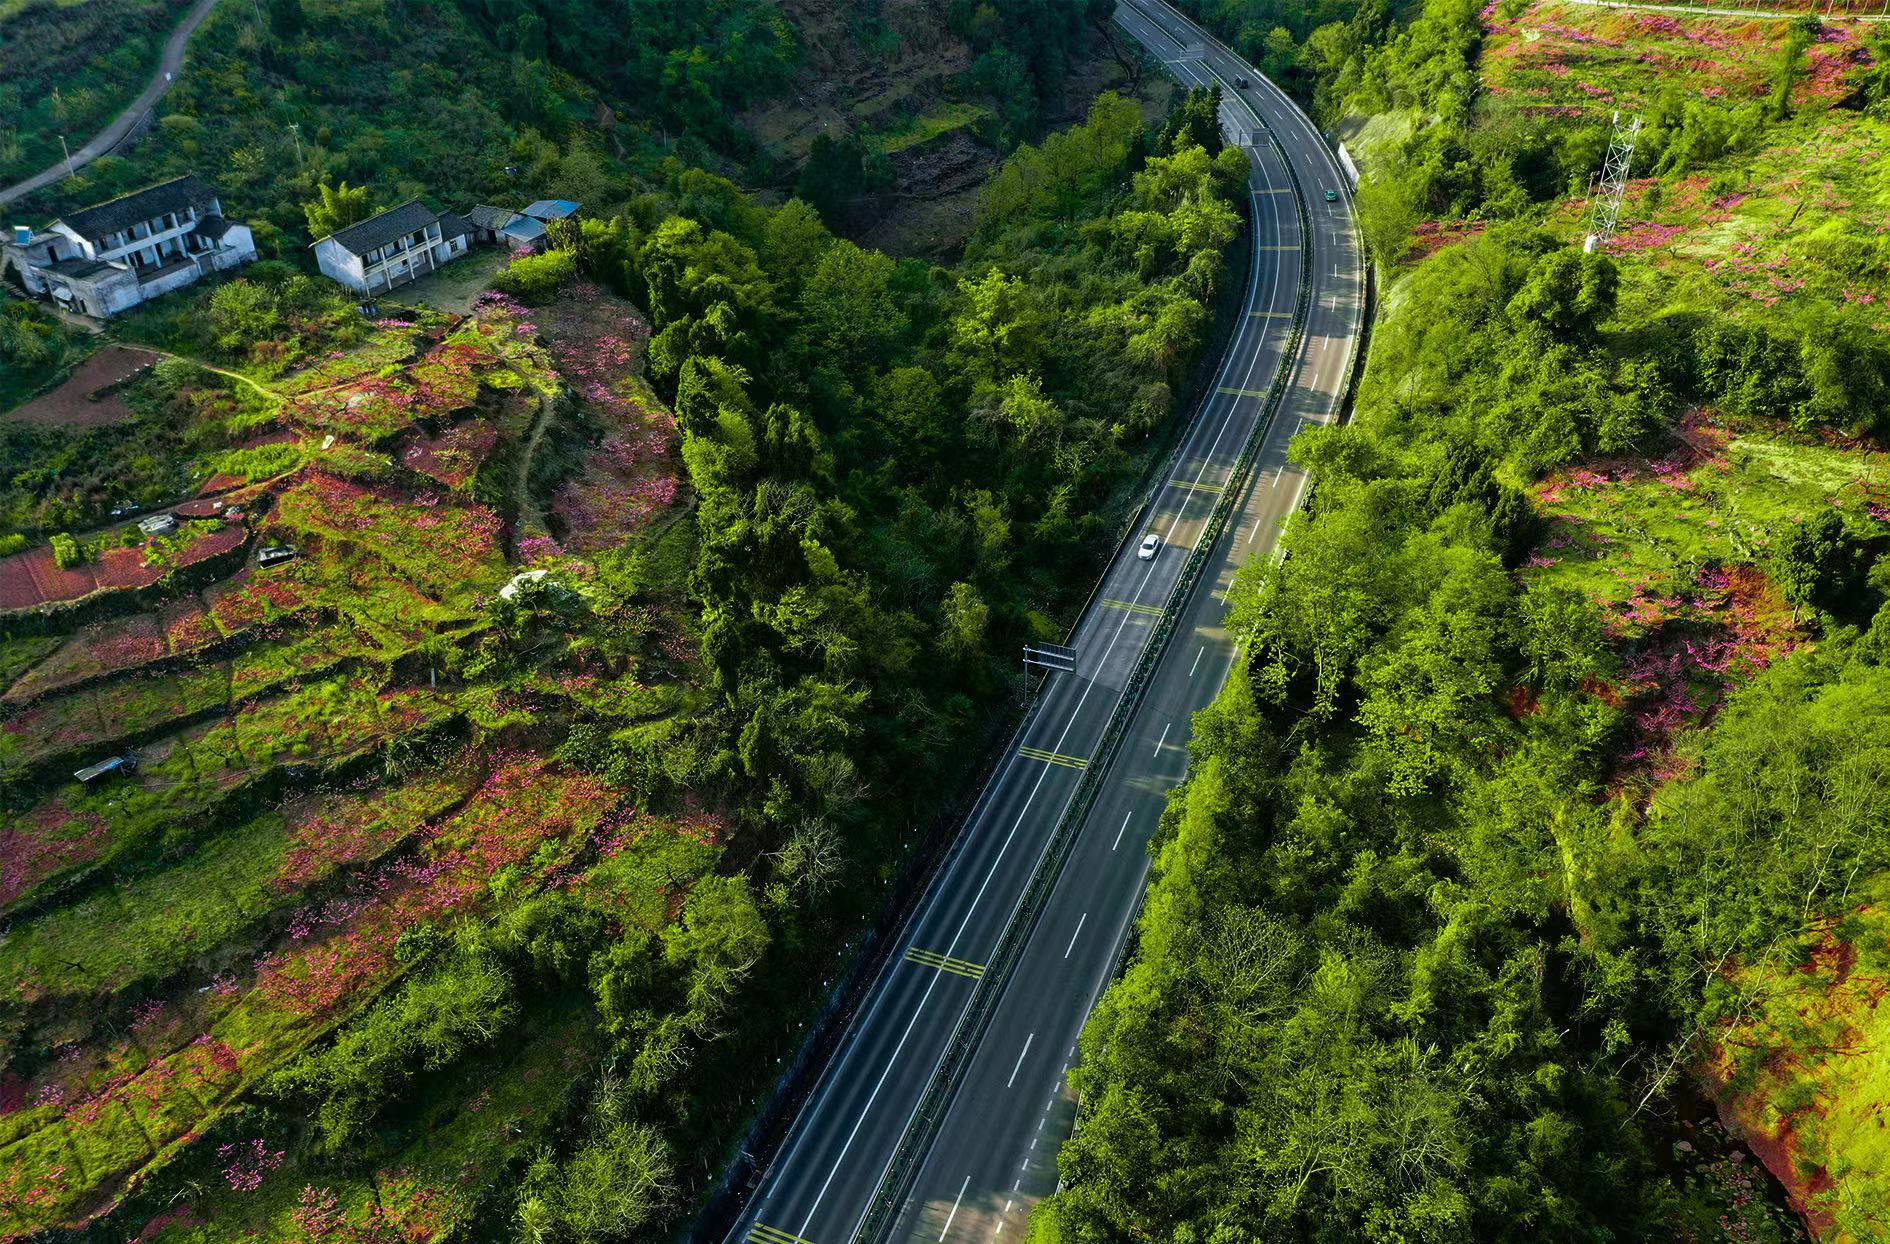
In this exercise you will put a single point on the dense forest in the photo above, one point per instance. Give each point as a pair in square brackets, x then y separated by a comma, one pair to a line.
[856, 603]
[1478, 868]
[498, 100]
[887, 473]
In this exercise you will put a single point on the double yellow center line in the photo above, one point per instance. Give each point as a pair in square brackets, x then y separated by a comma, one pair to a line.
[1053, 758]
[944, 963]
[762, 1233]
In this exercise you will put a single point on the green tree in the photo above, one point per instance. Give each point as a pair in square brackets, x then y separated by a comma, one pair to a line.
[1568, 293]
[966, 617]
[335, 208]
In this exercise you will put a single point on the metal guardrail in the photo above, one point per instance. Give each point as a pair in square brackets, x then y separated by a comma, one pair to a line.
[930, 1112]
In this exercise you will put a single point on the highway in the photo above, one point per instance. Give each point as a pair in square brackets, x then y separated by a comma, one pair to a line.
[987, 1152]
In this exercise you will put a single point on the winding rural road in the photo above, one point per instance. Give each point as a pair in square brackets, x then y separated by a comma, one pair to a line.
[939, 1116]
[113, 134]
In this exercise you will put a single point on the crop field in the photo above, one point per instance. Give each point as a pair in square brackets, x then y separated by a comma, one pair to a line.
[334, 766]
[90, 397]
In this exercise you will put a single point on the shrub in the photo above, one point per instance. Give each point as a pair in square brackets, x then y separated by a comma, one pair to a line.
[66, 551]
[535, 278]
[260, 462]
[11, 543]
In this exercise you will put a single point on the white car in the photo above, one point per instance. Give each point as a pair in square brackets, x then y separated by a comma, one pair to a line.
[1150, 544]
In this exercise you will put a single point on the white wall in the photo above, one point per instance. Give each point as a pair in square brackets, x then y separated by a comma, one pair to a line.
[340, 264]
[238, 246]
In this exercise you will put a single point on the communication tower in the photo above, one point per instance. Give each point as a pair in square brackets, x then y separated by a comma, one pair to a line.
[1605, 209]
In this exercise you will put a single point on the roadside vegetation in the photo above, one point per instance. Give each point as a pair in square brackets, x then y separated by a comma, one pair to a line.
[1527, 881]
[482, 861]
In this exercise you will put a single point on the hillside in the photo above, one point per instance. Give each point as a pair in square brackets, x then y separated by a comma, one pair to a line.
[482, 861]
[458, 103]
[929, 102]
[1528, 879]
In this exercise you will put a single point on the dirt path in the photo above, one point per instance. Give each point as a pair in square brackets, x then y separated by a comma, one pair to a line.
[529, 519]
[113, 134]
[238, 376]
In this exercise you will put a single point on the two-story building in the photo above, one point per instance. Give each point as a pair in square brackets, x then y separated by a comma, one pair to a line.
[397, 246]
[109, 258]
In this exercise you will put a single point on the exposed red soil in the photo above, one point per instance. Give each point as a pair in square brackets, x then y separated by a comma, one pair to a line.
[1829, 1008]
[31, 579]
[1807, 1184]
[454, 456]
[91, 397]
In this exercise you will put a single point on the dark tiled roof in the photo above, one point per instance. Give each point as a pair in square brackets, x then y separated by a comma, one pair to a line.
[82, 269]
[389, 226]
[212, 227]
[122, 213]
[485, 216]
[452, 226]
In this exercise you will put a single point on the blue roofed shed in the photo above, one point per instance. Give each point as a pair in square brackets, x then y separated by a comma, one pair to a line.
[551, 209]
[524, 232]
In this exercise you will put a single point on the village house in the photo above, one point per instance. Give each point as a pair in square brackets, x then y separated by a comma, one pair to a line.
[397, 246]
[110, 258]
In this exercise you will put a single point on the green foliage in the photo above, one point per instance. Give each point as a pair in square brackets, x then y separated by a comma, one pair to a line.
[1023, 47]
[334, 208]
[536, 279]
[69, 69]
[463, 1002]
[1567, 293]
[1791, 66]
[618, 1179]
[838, 171]
[689, 66]
[34, 347]
[1817, 563]
[269, 320]
[66, 551]
[258, 462]
[1774, 827]
[1196, 122]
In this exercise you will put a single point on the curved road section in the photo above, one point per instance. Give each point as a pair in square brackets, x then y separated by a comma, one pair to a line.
[940, 1114]
[113, 134]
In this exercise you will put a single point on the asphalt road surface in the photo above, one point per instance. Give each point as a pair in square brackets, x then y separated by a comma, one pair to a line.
[993, 1154]
[113, 134]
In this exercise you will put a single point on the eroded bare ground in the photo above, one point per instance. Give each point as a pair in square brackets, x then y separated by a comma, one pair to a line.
[846, 86]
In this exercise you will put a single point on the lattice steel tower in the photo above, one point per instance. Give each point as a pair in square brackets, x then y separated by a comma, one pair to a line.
[1605, 209]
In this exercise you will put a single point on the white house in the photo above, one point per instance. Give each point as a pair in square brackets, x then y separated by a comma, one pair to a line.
[390, 249]
[110, 258]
